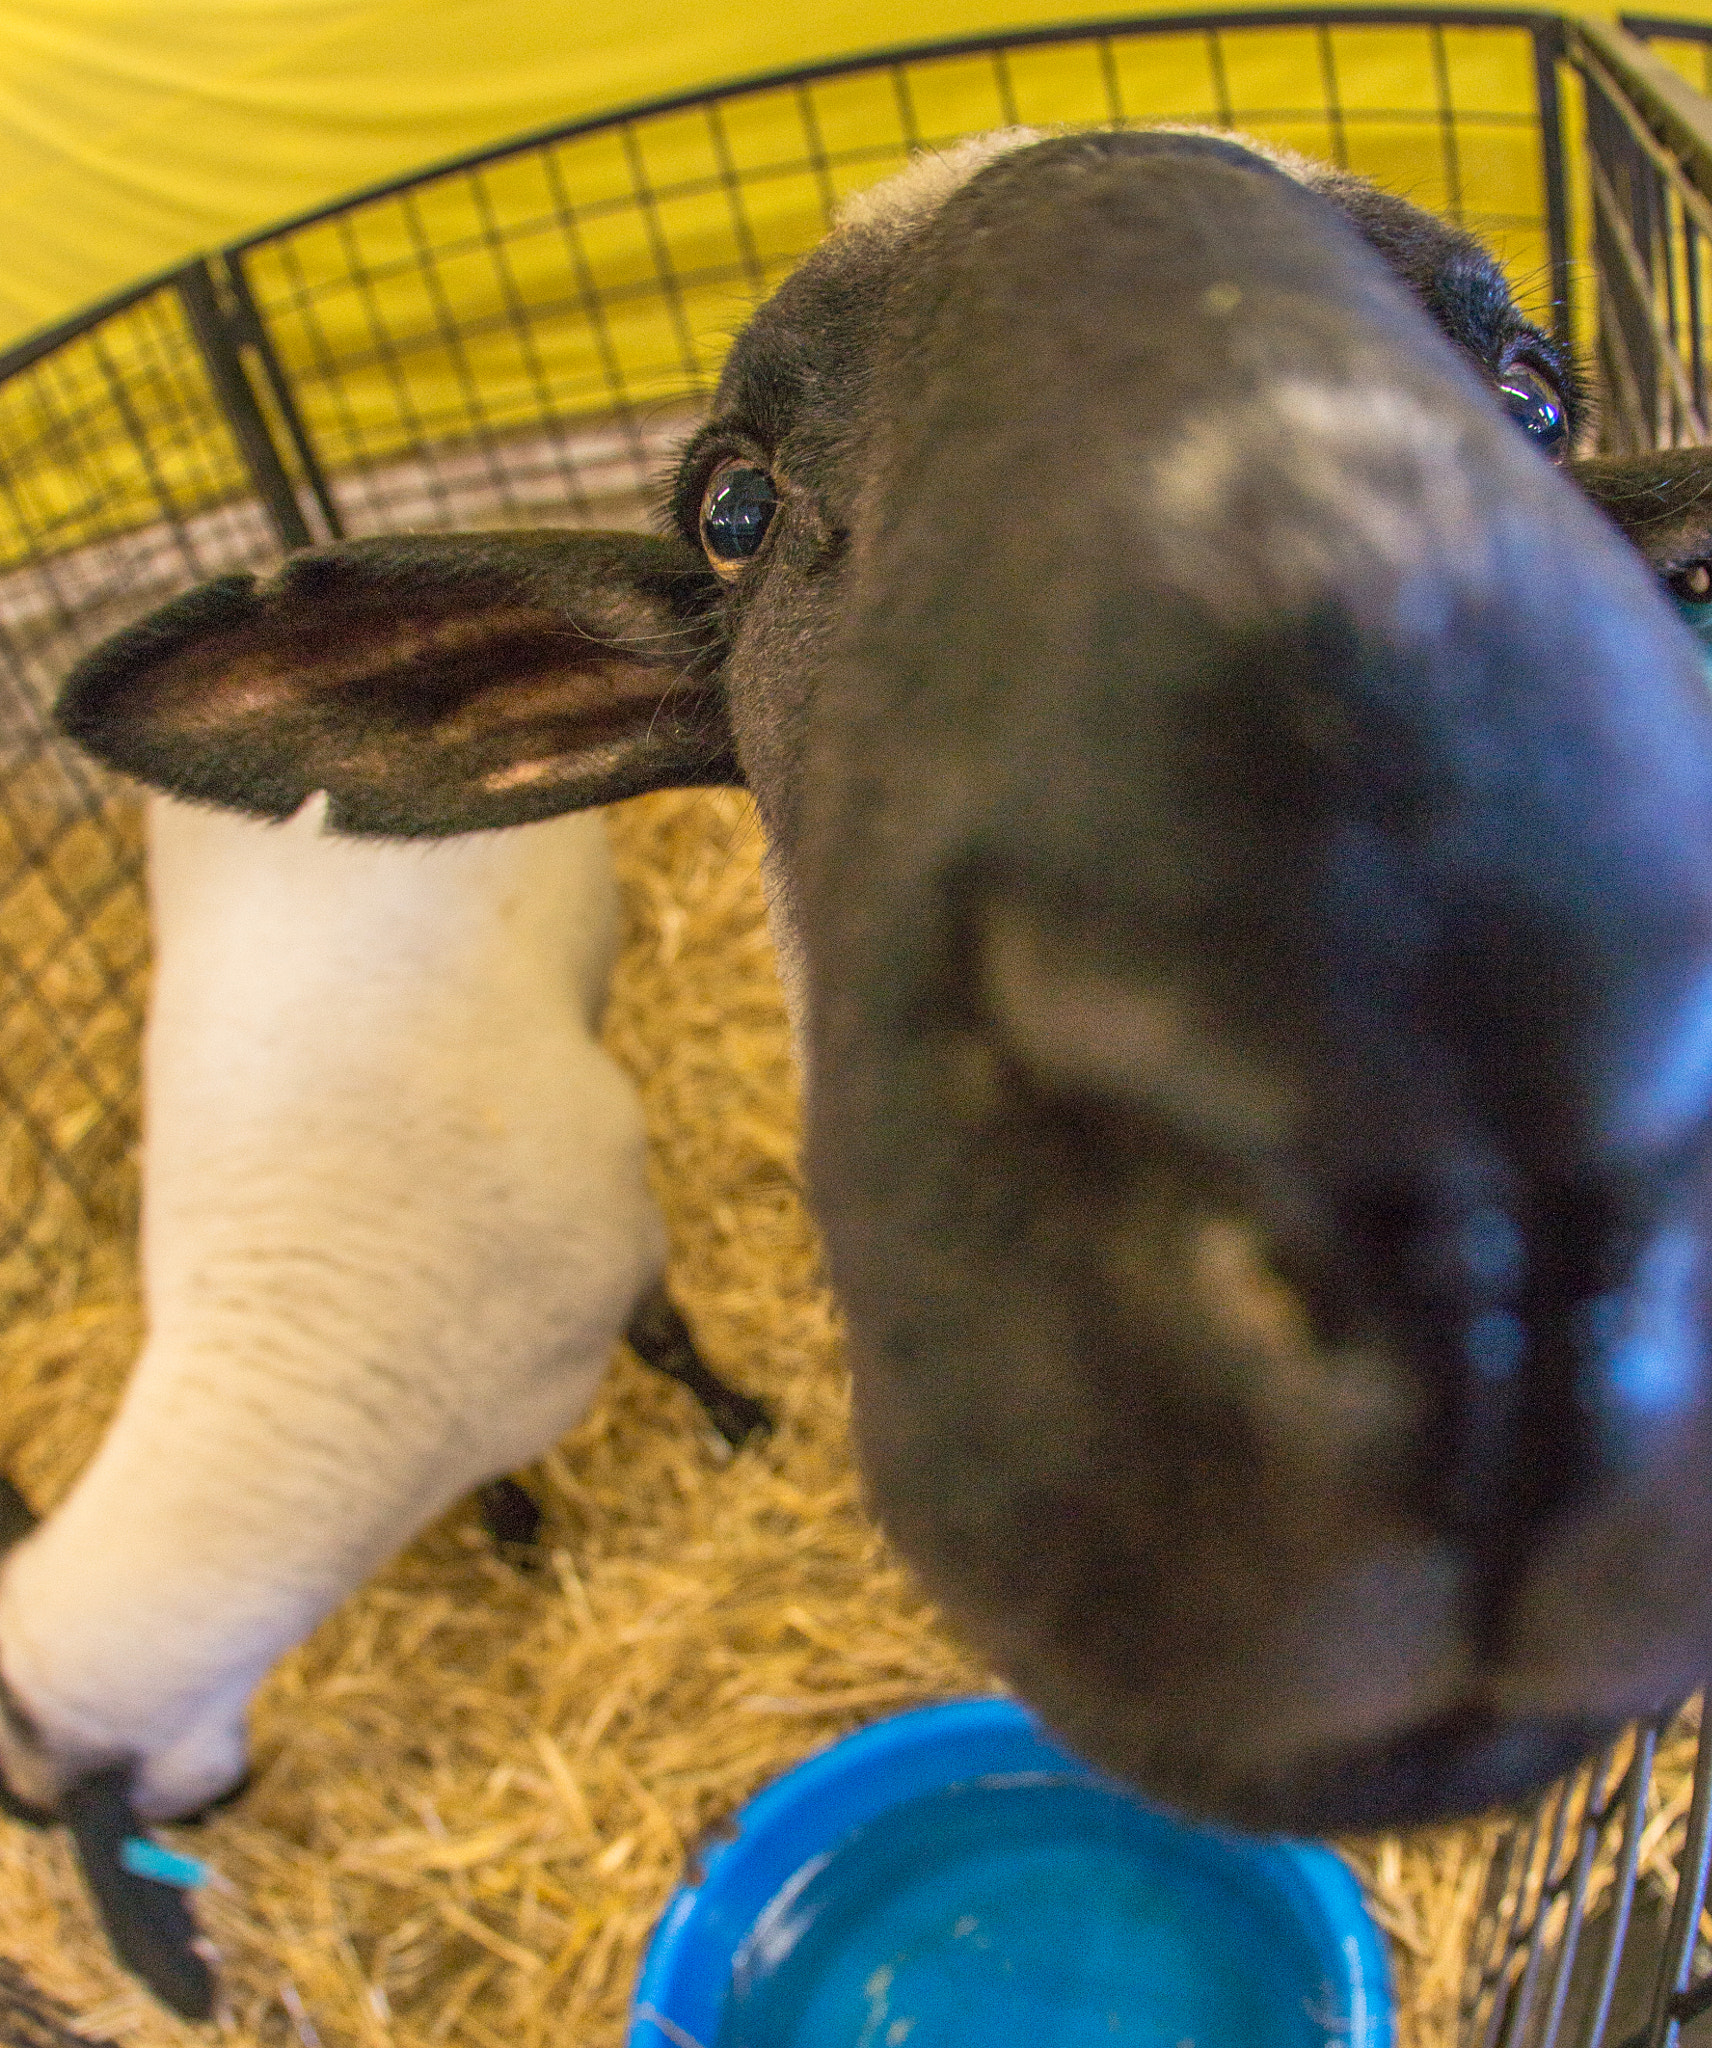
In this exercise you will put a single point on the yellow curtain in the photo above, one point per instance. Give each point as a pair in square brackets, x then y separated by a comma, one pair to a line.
[134, 133]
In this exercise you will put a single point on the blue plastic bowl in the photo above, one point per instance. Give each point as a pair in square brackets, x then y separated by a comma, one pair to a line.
[951, 1878]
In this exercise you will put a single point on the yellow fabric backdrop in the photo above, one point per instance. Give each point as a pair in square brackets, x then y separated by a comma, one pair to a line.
[135, 132]
[582, 293]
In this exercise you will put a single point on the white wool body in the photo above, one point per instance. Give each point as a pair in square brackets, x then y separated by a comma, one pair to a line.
[395, 1215]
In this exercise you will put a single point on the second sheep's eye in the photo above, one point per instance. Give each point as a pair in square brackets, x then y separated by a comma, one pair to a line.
[736, 513]
[1536, 408]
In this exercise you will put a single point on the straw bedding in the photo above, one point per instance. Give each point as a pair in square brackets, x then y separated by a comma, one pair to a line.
[478, 1783]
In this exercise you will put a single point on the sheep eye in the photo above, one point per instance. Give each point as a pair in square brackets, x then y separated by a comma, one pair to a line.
[735, 515]
[1535, 407]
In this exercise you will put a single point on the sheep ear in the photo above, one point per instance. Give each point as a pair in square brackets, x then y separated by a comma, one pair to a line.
[1662, 503]
[427, 683]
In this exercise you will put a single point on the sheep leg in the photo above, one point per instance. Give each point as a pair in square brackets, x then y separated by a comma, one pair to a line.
[148, 1924]
[508, 1511]
[659, 1337]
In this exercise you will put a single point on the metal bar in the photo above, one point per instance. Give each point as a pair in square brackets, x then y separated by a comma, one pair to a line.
[1664, 345]
[1676, 1964]
[1680, 116]
[1662, 267]
[322, 365]
[1109, 78]
[24, 354]
[1005, 86]
[1485, 1972]
[816, 143]
[1522, 2005]
[546, 408]
[1329, 90]
[1612, 103]
[1630, 375]
[387, 357]
[1548, 51]
[1634, 1802]
[1518, 1881]
[1592, 1825]
[1623, 109]
[256, 335]
[1663, 25]
[594, 310]
[906, 105]
[1621, 381]
[1447, 125]
[1221, 79]
[731, 179]
[665, 270]
[1611, 112]
[237, 403]
[1625, 420]
[477, 425]
[1691, 2004]
[144, 449]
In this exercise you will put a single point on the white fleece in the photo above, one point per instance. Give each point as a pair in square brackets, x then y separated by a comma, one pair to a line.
[394, 1217]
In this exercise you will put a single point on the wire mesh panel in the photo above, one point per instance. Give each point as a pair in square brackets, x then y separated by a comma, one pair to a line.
[1594, 1932]
[120, 483]
[1649, 182]
[532, 331]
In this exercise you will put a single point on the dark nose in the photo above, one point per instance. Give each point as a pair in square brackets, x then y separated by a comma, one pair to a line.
[1557, 1328]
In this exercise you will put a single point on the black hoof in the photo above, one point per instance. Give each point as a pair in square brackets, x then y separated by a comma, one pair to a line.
[148, 1923]
[660, 1337]
[508, 1512]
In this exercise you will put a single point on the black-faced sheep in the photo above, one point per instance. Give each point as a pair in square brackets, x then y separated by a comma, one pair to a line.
[1240, 834]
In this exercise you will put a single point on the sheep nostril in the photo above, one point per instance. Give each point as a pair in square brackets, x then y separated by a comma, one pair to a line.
[1078, 1026]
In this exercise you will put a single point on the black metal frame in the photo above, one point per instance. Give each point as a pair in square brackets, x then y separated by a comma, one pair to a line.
[1666, 28]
